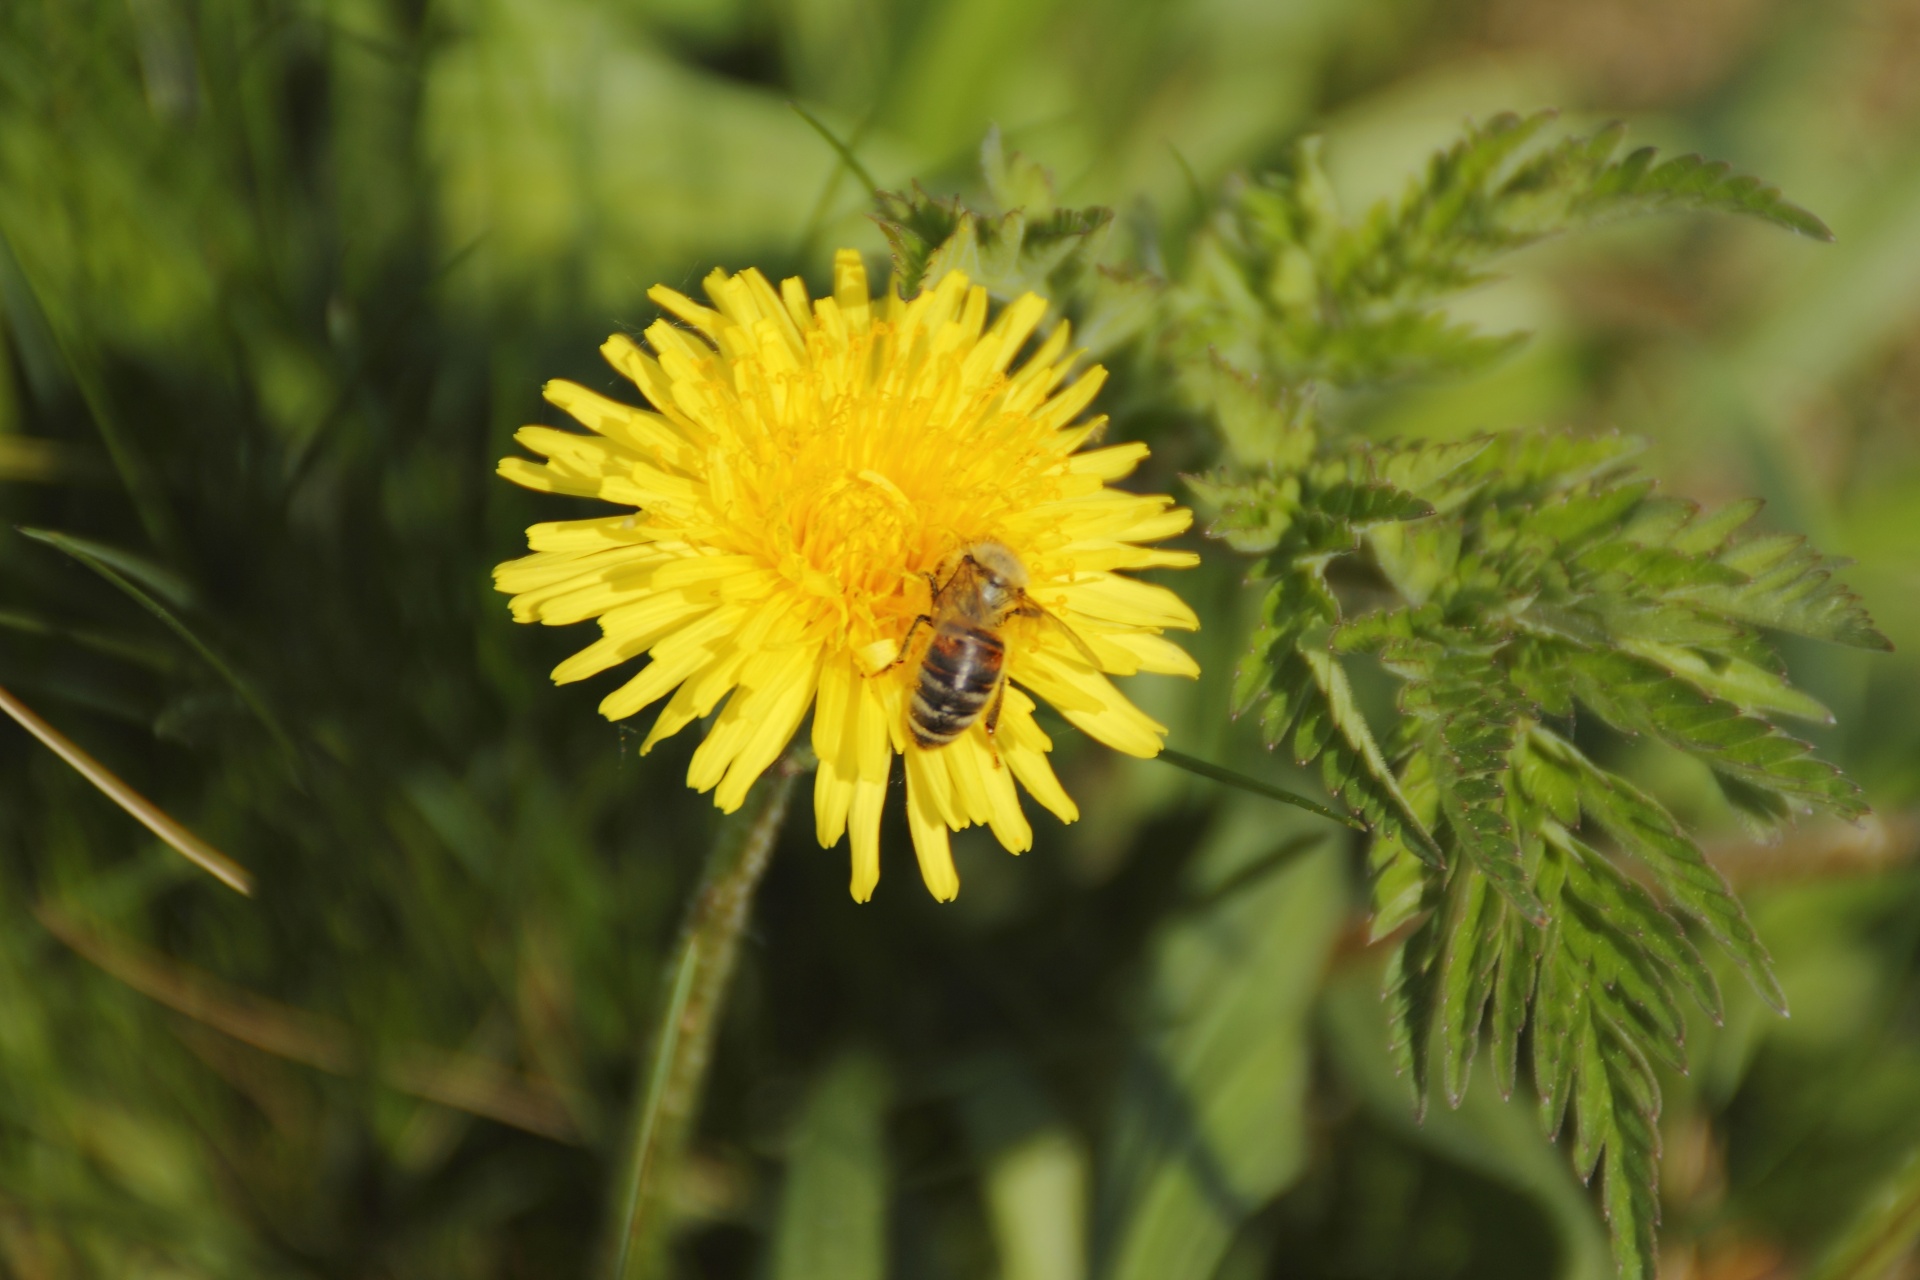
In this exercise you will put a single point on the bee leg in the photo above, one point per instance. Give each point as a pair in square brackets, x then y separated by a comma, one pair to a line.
[922, 621]
[992, 719]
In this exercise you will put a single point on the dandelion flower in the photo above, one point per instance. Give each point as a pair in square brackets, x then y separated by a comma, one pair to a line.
[804, 468]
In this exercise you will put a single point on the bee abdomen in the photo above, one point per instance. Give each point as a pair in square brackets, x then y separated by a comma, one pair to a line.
[957, 678]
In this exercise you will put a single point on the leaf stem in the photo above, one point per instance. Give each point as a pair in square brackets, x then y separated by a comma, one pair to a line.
[683, 1041]
[1232, 778]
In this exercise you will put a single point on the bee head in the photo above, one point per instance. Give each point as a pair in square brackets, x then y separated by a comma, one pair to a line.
[1001, 575]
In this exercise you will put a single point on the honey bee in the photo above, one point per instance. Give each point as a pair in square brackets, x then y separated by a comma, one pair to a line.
[963, 672]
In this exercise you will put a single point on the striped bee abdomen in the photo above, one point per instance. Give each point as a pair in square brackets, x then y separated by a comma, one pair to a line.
[958, 678]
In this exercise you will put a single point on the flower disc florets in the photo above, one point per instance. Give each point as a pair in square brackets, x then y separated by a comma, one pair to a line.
[806, 467]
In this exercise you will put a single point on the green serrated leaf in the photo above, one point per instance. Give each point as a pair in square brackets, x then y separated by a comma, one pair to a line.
[1559, 1027]
[1512, 992]
[916, 226]
[1637, 186]
[1470, 712]
[1625, 907]
[1411, 994]
[1256, 512]
[1367, 783]
[1428, 467]
[1622, 982]
[1639, 696]
[1744, 684]
[1790, 587]
[1592, 1094]
[1362, 505]
[1264, 423]
[1649, 833]
[1474, 932]
[1013, 180]
[1707, 532]
[1629, 1189]
[1403, 885]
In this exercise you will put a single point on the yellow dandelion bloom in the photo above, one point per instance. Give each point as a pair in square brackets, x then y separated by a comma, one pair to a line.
[807, 470]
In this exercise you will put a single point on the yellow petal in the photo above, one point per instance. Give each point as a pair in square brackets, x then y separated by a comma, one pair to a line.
[927, 777]
[850, 294]
[868, 797]
[605, 533]
[967, 764]
[673, 302]
[776, 710]
[1111, 463]
[531, 475]
[611, 650]
[931, 846]
[1023, 749]
[1155, 653]
[643, 433]
[1003, 813]
[1089, 701]
[697, 696]
[1127, 601]
[674, 659]
[836, 741]
[1066, 406]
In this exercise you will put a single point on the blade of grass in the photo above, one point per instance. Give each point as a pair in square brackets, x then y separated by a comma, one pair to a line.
[86, 555]
[156, 518]
[840, 148]
[683, 1044]
[477, 1086]
[187, 844]
[1883, 1231]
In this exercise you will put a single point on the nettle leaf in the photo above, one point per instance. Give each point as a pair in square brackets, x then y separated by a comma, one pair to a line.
[916, 225]
[1636, 185]
[1328, 727]
[1640, 696]
[1009, 253]
[1402, 889]
[1534, 575]
[1296, 602]
[1475, 938]
[1745, 684]
[1255, 511]
[1281, 283]
[1789, 587]
[1364, 505]
[1502, 581]
[1261, 423]
[1643, 829]
[1468, 712]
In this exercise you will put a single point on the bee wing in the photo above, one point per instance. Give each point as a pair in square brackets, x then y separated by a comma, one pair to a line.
[1045, 614]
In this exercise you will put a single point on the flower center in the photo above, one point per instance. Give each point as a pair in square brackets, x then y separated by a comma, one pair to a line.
[853, 487]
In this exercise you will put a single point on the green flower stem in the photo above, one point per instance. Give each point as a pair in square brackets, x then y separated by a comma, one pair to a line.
[683, 1042]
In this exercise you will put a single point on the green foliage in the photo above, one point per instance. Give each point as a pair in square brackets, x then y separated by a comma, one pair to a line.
[1521, 581]
[1281, 284]
[1508, 584]
[832, 1219]
[1026, 242]
[1209, 1121]
[279, 278]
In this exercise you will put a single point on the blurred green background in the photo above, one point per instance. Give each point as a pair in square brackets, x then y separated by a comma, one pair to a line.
[278, 279]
